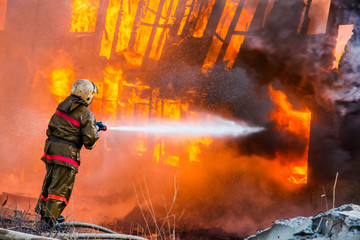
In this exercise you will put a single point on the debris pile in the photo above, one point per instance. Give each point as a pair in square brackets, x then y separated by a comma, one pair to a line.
[342, 223]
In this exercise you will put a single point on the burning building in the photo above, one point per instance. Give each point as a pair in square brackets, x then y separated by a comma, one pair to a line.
[270, 63]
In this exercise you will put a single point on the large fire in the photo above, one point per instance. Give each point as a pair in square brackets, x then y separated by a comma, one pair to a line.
[232, 28]
[294, 121]
[84, 15]
[159, 61]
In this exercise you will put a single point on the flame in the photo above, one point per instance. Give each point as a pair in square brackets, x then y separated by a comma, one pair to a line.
[198, 18]
[132, 101]
[171, 109]
[3, 4]
[60, 82]
[120, 19]
[133, 59]
[298, 175]
[112, 88]
[221, 29]
[194, 148]
[203, 18]
[161, 154]
[144, 30]
[185, 17]
[297, 122]
[151, 19]
[128, 14]
[162, 33]
[242, 25]
[158, 152]
[121, 98]
[84, 15]
[233, 49]
[112, 14]
[237, 37]
[344, 34]
[140, 146]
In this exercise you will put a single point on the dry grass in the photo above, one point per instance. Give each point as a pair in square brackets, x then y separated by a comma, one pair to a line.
[163, 228]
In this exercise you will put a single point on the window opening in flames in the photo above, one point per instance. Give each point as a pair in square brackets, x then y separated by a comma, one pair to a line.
[84, 15]
[230, 32]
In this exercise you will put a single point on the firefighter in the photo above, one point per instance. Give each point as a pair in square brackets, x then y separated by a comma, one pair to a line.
[70, 127]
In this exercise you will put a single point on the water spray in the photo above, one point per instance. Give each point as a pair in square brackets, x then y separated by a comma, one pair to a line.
[218, 127]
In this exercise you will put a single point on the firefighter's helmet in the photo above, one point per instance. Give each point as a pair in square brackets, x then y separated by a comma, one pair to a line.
[84, 89]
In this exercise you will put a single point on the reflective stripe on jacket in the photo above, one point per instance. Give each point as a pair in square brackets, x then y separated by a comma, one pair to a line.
[71, 126]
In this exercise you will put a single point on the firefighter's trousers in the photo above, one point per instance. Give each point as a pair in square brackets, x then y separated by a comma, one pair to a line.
[56, 190]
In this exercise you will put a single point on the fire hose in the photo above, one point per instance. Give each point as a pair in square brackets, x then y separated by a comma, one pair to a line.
[108, 234]
[8, 234]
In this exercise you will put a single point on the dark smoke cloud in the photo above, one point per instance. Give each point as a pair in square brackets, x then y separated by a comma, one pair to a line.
[235, 186]
[235, 91]
[338, 98]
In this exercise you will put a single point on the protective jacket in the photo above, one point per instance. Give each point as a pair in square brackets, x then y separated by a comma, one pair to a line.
[72, 126]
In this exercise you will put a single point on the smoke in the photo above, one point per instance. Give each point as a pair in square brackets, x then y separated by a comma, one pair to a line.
[344, 90]
[237, 184]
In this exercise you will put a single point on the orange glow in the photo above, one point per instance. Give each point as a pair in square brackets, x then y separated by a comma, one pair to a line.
[171, 109]
[144, 31]
[128, 14]
[96, 104]
[123, 99]
[162, 33]
[203, 18]
[221, 29]
[287, 117]
[242, 25]
[140, 146]
[112, 14]
[127, 10]
[185, 17]
[161, 155]
[172, 160]
[158, 152]
[212, 55]
[344, 34]
[297, 122]
[194, 148]
[298, 174]
[150, 20]
[84, 14]
[132, 104]
[61, 81]
[133, 59]
[247, 15]
[226, 17]
[3, 4]
[107, 42]
[158, 44]
[233, 49]
[319, 13]
[112, 88]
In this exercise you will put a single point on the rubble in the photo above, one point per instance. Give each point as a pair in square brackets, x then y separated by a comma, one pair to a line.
[342, 223]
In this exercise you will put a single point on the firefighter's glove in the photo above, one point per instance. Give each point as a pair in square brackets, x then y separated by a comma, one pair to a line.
[101, 126]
